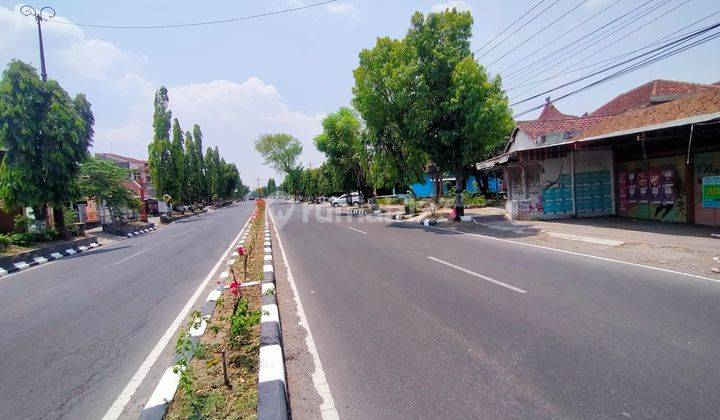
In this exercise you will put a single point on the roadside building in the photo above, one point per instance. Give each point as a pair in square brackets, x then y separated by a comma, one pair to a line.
[650, 153]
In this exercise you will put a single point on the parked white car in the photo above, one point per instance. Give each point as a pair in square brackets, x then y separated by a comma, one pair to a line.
[352, 199]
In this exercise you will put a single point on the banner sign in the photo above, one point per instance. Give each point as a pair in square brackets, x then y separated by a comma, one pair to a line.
[711, 192]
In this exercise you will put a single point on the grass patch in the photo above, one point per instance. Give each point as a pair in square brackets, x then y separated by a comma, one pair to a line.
[235, 328]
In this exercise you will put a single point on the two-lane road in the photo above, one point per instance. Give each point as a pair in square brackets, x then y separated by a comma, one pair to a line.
[73, 332]
[425, 323]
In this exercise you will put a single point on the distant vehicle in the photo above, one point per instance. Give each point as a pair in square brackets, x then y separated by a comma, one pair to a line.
[352, 199]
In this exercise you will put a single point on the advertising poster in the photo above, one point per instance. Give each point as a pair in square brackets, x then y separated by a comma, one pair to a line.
[667, 191]
[655, 179]
[632, 187]
[642, 185]
[623, 192]
[711, 192]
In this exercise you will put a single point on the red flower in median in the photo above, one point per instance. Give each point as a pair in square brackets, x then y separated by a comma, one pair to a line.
[240, 250]
[235, 288]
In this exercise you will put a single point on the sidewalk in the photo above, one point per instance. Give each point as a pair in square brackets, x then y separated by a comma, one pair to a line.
[681, 247]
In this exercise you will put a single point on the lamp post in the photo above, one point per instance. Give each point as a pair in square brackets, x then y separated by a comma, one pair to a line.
[45, 13]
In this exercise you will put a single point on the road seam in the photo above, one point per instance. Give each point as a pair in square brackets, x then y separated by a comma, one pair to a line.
[328, 411]
[161, 397]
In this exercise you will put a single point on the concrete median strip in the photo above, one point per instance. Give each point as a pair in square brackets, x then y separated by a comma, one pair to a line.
[165, 391]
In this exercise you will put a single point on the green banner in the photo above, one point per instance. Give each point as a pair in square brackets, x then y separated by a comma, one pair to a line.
[711, 192]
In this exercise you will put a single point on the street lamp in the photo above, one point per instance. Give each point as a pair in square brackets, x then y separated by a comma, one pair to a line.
[45, 13]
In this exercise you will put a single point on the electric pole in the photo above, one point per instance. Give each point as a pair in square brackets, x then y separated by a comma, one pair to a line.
[49, 13]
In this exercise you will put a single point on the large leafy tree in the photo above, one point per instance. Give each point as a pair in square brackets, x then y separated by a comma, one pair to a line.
[46, 135]
[383, 95]
[344, 144]
[281, 151]
[160, 150]
[426, 97]
[102, 180]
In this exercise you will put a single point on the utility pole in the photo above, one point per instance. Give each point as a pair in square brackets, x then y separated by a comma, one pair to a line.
[48, 13]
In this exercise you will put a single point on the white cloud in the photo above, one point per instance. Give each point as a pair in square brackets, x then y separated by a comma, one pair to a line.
[232, 115]
[65, 45]
[457, 4]
[341, 8]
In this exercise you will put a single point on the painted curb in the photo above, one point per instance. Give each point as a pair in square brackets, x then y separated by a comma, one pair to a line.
[164, 393]
[272, 384]
[23, 265]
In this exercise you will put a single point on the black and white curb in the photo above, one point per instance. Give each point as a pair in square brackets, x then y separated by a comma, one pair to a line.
[182, 219]
[141, 231]
[164, 392]
[22, 265]
[355, 210]
[272, 388]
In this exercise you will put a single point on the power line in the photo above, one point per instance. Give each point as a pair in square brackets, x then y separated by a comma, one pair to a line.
[623, 72]
[538, 32]
[589, 34]
[618, 57]
[648, 61]
[510, 26]
[665, 46]
[205, 23]
[558, 37]
[516, 30]
[612, 43]
[586, 41]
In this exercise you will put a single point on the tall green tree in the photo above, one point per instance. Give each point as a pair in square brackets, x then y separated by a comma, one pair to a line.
[200, 171]
[426, 100]
[177, 164]
[344, 144]
[271, 187]
[457, 111]
[192, 180]
[383, 95]
[281, 151]
[160, 149]
[46, 136]
[102, 180]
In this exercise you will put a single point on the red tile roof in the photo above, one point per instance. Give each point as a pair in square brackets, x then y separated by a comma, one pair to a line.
[553, 121]
[656, 91]
[690, 106]
[120, 157]
[132, 186]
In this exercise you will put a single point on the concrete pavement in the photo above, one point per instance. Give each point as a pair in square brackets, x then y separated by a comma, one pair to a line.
[75, 331]
[418, 322]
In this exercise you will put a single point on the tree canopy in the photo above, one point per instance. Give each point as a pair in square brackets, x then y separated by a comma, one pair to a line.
[281, 151]
[46, 135]
[102, 179]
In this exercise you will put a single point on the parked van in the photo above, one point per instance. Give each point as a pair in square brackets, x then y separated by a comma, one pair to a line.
[352, 199]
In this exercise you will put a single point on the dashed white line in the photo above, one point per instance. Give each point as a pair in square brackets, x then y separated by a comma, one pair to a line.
[324, 218]
[133, 256]
[186, 232]
[356, 230]
[478, 275]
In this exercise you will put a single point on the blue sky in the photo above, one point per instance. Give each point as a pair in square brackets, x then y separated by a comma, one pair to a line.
[284, 73]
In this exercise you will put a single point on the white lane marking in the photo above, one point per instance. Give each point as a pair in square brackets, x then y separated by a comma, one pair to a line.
[580, 254]
[478, 275]
[133, 256]
[324, 218]
[118, 406]
[327, 408]
[356, 230]
[186, 232]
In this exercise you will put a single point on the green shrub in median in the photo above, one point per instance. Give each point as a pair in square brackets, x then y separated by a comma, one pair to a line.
[5, 241]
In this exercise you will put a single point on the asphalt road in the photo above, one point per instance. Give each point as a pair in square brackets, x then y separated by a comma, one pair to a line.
[73, 332]
[492, 329]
